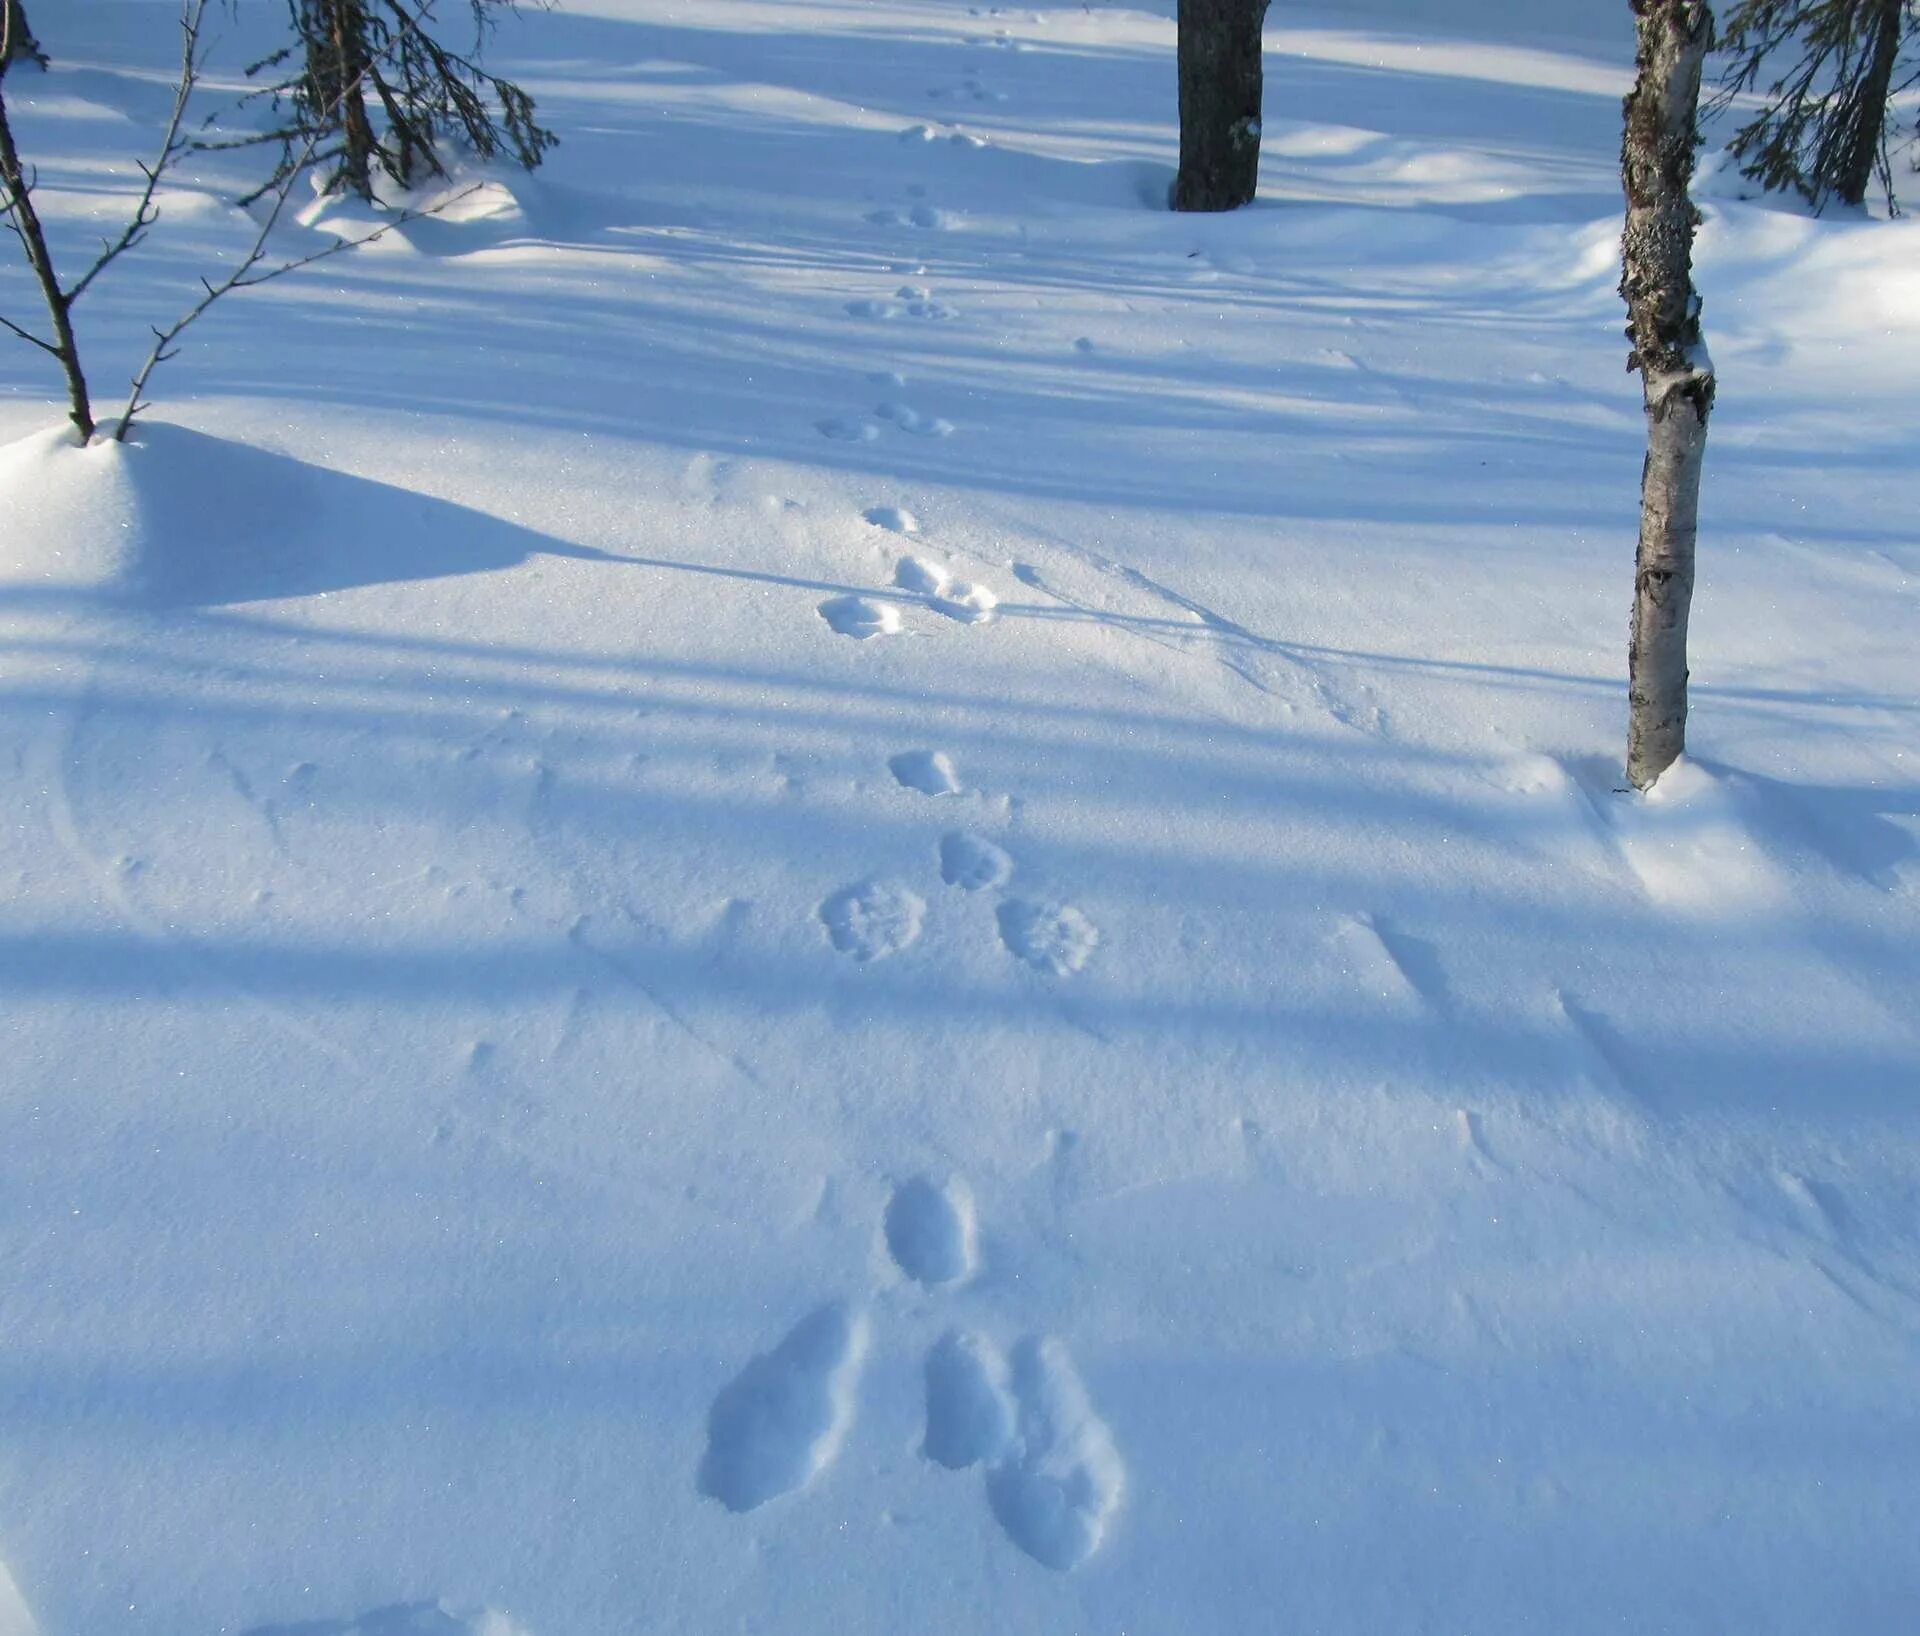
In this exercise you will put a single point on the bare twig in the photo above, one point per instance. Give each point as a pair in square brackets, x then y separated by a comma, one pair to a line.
[145, 213]
[25, 220]
[244, 277]
[28, 335]
[16, 205]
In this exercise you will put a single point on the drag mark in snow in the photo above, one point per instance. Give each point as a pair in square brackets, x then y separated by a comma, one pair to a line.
[860, 618]
[1183, 625]
[1473, 1139]
[928, 771]
[1057, 1489]
[115, 882]
[972, 862]
[970, 1410]
[1599, 1040]
[1366, 957]
[930, 1230]
[1817, 1206]
[1054, 938]
[780, 1421]
[873, 919]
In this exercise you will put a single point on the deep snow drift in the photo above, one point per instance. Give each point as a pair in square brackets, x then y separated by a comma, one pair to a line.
[818, 879]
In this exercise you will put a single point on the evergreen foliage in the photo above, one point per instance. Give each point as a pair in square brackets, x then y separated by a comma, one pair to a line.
[1824, 130]
[374, 89]
[19, 43]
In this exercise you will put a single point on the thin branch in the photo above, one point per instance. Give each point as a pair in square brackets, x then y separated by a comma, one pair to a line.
[243, 277]
[171, 147]
[27, 334]
[32, 234]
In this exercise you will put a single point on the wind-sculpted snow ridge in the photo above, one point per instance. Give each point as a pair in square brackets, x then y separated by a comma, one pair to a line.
[403, 1619]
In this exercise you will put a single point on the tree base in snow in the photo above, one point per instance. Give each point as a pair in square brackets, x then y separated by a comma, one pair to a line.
[1220, 91]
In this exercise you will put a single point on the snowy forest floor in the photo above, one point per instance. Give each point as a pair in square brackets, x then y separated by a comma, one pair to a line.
[814, 878]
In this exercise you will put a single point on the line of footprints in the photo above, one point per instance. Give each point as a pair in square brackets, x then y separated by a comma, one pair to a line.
[1053, 1478]
[873, 919]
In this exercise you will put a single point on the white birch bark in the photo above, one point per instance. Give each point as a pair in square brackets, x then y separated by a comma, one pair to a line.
[1677, 383]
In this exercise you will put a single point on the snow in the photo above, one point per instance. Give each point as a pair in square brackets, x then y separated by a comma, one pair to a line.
[812, 877]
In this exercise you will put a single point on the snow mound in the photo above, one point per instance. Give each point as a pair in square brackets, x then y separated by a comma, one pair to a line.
[1692, 847]
[176, 518]
[68, 515]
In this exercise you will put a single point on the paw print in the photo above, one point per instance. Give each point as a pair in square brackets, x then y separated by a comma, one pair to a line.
[1051, 1474]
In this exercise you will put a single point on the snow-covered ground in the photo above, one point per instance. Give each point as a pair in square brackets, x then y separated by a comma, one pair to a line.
[817, 879]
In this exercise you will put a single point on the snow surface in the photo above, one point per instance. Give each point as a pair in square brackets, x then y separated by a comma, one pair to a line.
[814, 878]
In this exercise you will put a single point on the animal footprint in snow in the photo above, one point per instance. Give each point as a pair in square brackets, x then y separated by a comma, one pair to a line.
[1054, 1478]
[847, 429]
[1060, 1481]
[968, 604]
[923, 216]
[973, 863]
[781, 1420]
[1054, 938]
[921, 577]
[895, 520]
[910, 301]
[918, 302]
[969, 88]
[969, 1402]
[928, 771]
[873, 919]
[909, 419]
[930, 1231]
[860, 618]
[958, 600]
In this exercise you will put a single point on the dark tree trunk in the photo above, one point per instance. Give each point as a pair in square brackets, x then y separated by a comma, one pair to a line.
[1868, 133]
[338, 59]
[1219, 103]
[21, 45]
[1676, 375]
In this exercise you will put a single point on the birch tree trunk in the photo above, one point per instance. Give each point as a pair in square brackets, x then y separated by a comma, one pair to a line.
[1220, 86]
[1676, 375]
